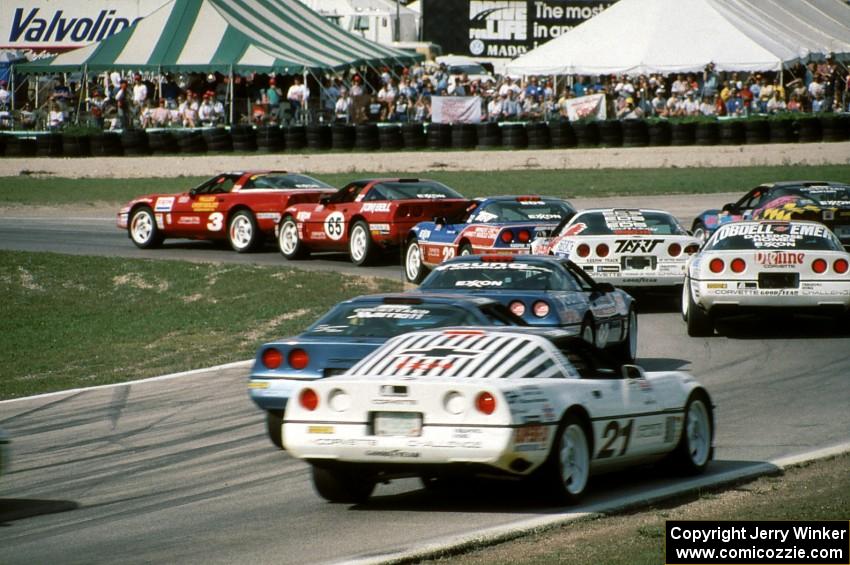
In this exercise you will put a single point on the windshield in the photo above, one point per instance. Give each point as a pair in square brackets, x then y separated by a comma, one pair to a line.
[624, 222]
[468, 68]
[290, 180]
[398, 190]
[387, 320]
[512, 275]
[521, 211]
[807, 237]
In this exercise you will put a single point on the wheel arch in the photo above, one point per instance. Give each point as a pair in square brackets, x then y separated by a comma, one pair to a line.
[699, 392]
[238, 208]
[581, 414]
[358, 218]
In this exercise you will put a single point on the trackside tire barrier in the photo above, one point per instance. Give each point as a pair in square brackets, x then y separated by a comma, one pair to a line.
[342, 136]
[682, 133]
[610, 133]
[732, 132]
[106, 144]
[21, 147]
[318, 137]
[438, 136]
[389, 137]
[561, 134]
[413, 136]
[808, 130]
[464, 136]
[49, 145]
[538, 135]
[295, 138]
[514, 136]
[488, 135]
[244, 138]
[707, 133]
[635, 133]
[191, 142]
[76, 145]
[162, 142]
[366, 137]
[218, 140]
[587, 134]
[756, 131]
[135, 142]
[833, 128]
[659, 134]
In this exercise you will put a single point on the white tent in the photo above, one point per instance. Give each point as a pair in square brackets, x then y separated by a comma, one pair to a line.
[671, 36]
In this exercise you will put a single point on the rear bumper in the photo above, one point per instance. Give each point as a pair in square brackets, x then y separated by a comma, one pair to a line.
[726, 295]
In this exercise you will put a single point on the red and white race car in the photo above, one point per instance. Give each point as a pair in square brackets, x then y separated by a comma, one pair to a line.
[241, 207]
[364, 216]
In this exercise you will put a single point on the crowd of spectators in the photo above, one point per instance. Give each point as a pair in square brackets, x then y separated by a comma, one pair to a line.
[405, 94]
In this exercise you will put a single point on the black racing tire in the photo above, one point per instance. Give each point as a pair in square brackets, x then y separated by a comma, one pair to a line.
[699, 322]
[564, 476]
[274, 421]
[360, 245]
[243, 233]
[696, 443]
[143, 230]
[700, 231]
[626, 351]
[342, 485]
[414, 270]
[289, 243]
[464, 249]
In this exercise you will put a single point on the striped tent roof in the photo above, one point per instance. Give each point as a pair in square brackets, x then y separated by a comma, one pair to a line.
[282, 36]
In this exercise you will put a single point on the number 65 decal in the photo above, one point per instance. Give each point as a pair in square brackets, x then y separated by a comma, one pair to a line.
[613, 431]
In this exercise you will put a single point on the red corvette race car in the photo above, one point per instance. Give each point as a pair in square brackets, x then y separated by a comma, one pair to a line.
[364, 216]
[241, 207]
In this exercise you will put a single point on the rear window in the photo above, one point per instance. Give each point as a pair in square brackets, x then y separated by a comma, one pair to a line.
[498, 276]
[522, 211]
[411, 190]
[828, 195]
[809, 237]
[387, 320]
[284, 181]
[625, 222]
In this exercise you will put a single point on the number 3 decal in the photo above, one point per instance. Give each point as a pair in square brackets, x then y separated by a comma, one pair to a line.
[215, 222]
[335, 225]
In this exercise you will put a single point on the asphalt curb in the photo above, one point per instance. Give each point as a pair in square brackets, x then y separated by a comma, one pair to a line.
[499, 534]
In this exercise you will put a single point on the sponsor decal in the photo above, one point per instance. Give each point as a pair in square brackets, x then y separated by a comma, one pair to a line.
[484, 232]
[428, 196]
[392, 453]
[389, 311]
[183, 200]
[772, 235]
[715, 285]
[628, 220]
[478, 284]
[543, 216]
[424, 234]
[274, 216]
[376, 207]
[205, 204]
[36, 27]
[514, 266]
[335, 225]
[159, 221]
[531, 434]
[189, 221]
[379, 228]
[575, 229]
[485, 216]
[302, 216]
[352, 442]
[164, 204]
[779, 258]
[317, 235]
[451, 444]
[636, 245]
[608, 269]
[320, 429]
[432, 357]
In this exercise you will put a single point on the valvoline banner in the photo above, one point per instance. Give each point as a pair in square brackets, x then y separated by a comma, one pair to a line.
[59, 25]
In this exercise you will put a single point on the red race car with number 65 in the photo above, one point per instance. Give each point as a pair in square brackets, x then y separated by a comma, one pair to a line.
[240, 207]
[365, 216]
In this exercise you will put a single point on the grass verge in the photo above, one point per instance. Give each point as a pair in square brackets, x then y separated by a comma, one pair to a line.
[83, 321]
[566, 183]
[816, 491]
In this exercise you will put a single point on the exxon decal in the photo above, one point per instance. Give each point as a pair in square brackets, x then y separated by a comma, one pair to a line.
[31, 28]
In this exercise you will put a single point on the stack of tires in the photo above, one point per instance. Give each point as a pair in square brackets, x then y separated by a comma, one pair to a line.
[538, 135]
[682, 133]
[191, 142]
[74, 145]
[413, 135]
[270, 139]
[808, 129]
[438, 136]
[587, 134]
[218, 140]
[244, 138]
[49, 145]
[707, 133]
[659, 133]
[514, 136]
[162, 142]
[134, 142]
[833, 127]
[635, 133]
[295, 138]
[464, 136]
[610, 133]
[782, 131]
[389, 137]
[342, 137]
[318, 137]
[106, 144]
[757, 131]
[366, 137]
[21, 146]
[732, 132]
[561, 134]
[488, 135]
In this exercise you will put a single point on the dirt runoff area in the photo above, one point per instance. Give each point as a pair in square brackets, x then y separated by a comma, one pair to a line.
[818, 490]
[419, 161]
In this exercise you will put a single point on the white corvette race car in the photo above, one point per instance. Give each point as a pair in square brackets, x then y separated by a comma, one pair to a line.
[766, 265]
[515, 402]
[628, 248]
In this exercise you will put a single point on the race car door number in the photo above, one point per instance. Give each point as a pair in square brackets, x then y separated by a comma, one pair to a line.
[405, 424]
[638, 263]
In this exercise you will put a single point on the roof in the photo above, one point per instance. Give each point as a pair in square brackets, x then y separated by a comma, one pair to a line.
[407, 298]
[281, 36]
[676, 36]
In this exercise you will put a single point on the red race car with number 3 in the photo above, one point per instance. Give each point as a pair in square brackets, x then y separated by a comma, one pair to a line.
[241, 207]
[364, 216]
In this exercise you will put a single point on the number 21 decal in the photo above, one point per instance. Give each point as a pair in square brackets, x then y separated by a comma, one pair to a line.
[612, 432]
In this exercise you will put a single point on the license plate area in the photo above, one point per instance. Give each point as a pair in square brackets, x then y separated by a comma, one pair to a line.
[397, 424]
[779, 280]
[638, 263]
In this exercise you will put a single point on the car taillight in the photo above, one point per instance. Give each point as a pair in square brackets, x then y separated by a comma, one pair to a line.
[308, 399]
[517, 307]
[272, 358]
[524, 236]
[738, 265]
[540, 309]
[716, 265]
[819, 266]
[674, 250]
[486, 403]
[298, 358]
[602, 250]
[583, 250]
[840, 266]
[507, 236]
[691, 249]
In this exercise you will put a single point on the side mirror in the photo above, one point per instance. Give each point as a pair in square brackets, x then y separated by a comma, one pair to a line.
[441, 220]
[730, 207]
[633, 372]
[604, 288]
[324, 200]
[193, 193]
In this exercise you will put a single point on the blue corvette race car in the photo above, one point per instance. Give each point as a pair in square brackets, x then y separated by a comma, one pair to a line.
[351, 330]
[504, 225]
[546, 291]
